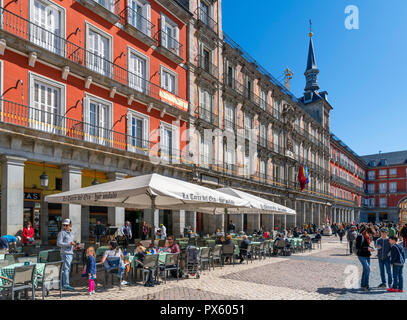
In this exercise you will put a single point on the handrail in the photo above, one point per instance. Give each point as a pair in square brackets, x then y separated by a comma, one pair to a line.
[133, 18]
[206, 19]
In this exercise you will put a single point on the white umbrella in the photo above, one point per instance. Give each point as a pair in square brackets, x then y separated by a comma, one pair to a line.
[152, 191]
[257, 204]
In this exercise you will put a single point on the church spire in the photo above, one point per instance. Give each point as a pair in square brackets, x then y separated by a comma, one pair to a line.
[311, 74]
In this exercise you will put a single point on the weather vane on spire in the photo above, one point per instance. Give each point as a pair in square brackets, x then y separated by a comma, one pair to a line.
[310, 28]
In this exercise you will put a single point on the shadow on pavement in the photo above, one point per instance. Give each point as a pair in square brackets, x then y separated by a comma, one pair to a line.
[344, 291]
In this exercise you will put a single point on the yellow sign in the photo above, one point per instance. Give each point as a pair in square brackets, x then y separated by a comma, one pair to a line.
[173, 100]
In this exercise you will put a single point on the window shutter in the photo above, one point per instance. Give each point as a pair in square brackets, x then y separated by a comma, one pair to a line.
[146, 133]
[147, 9]
[175, 144]
[163, 33]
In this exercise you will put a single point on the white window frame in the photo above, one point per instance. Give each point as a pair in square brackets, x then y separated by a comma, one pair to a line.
[59, 8]
[371, 175]
[382, 202]
[393, 170]
[383, 173]
[383, 188]
[146, 131]
[90, 27]
[32, 78]
[230, 106]
[86, 116]
[175, 141]
[130, 51]
[174, 74]
[164, 21]
[146, 15]
[393, 187]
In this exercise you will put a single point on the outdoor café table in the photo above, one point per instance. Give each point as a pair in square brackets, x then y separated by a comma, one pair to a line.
[209, 241]
[43, 255]
[182, 244]
[8, 272]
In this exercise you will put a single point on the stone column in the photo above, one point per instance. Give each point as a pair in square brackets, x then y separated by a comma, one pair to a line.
[178, 222]
[253, 222]
[304, 212]
[72, 180]
[115, 215]
[12, 195]
[85, 223]
[272, 222]
[190, 219]
[44, 223]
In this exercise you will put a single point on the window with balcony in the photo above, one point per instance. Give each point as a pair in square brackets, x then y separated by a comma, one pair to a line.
[383, 202]
[393, 187]
[263, 135]
[169, 142]
[99, 51]
[230, 74]
[137, 68]
[248, 126]
[139, 15]
[262, 170]
[383, 187]
[206, 105]
[276, 110]
[205, 59]
[263, 99]
[276, 141]
[229, 155]
[47, 30]
[169, 80]
[138, 131]
[169, 35]
[47, 99]
[371, 175]
[230, 112]
[382, 173]
[98, 118]
[371, 188]
[393, 172]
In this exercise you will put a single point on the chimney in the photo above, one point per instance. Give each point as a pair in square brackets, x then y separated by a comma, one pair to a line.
[287, 83]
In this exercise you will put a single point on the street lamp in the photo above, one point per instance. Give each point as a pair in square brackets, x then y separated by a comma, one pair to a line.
[44, 179]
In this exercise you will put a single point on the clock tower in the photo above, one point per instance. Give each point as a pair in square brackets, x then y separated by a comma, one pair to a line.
[311, 74]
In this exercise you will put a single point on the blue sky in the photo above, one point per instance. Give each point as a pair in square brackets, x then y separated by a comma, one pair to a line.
[364, 71]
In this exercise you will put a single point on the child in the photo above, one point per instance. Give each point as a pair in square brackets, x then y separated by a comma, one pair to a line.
[91, 269]
[397, 260]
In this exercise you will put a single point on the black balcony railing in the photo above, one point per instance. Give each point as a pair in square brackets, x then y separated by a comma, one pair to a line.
[138, 21]
[204, 63]
[203, 16]
[112, 6]
[60, 125]
[208, 116]
[170, 43]
[26, 30]
[229, 124]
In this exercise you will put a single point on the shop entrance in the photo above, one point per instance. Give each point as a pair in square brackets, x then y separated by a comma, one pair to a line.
[135, 218]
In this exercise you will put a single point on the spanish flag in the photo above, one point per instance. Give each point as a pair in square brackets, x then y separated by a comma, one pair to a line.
[302, 179]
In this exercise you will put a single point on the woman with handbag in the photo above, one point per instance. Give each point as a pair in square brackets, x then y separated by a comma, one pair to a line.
[28, 234]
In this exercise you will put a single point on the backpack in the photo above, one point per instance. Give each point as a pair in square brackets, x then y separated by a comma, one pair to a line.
[402, 254]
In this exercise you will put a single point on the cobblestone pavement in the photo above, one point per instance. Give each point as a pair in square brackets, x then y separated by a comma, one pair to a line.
[323, 274]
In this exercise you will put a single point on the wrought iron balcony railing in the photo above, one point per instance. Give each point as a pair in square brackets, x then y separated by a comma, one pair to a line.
[208, 116]
[203, 16]
[171, 44]
[93, 61]
[205, 64]
[138, 21]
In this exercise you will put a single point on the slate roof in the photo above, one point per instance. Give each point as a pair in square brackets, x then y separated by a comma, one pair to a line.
[389, 158]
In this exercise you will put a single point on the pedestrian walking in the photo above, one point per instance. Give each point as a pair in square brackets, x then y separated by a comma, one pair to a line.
[397, 260]
[341, 233]
[28, 234]
[383, 254]
[335, 230]
[364, 249]
[66, 243]
[351, 237]
[392, 231]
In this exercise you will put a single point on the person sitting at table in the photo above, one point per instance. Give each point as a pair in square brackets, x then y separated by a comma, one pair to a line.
[289, 234]
[28, 234]
[173, 248]
[280, 237]
[296, 233]
[266, 235]
[317, 236]
[243, 247]
[220, 240]
[114, 251]
[228, 242]
[158, 234]
[307, 239]
[219, 233]
[139, 254]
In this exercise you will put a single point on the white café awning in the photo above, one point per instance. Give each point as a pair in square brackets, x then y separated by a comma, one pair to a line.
[152, 191]
[257, 204]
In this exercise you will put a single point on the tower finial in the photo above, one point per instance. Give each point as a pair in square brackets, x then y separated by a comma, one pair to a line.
[310, 29]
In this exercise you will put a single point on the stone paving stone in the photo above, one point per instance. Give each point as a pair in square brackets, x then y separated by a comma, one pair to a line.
[183, 293]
